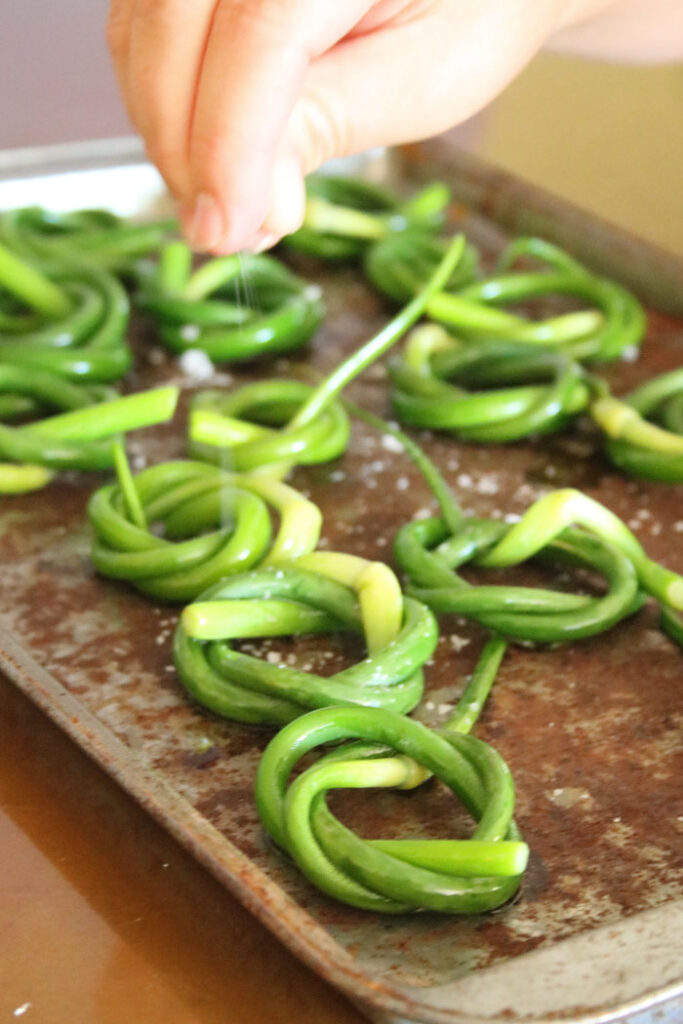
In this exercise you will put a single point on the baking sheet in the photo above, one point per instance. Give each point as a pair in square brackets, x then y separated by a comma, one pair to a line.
[592, 732]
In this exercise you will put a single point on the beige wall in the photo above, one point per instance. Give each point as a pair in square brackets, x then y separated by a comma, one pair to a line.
[609, 138]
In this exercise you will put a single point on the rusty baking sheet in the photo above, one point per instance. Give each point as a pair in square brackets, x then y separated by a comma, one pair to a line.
[592, 732]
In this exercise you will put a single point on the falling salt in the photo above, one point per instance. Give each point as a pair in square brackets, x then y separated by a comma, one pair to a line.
[21, 1010]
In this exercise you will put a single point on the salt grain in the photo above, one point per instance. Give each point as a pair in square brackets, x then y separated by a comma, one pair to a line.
[189, 332]
[458, 642]
[196, 365]
[391, 443]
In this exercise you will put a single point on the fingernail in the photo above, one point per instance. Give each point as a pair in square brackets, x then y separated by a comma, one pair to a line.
[267, 242]
[205, 226]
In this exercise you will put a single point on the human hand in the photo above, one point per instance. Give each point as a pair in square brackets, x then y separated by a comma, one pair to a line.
[237, 100]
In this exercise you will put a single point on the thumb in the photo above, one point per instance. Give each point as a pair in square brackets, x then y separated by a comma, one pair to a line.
[405, 81]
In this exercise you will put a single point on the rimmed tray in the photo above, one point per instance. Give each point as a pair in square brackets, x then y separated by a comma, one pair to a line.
[592, 732]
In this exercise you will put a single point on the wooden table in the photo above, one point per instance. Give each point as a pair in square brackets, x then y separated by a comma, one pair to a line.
[104, 919]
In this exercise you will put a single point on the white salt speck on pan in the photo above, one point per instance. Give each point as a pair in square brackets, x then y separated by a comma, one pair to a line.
[189, 332]
[391, 443]
[458, 642]
[402, 483]
[196, 365]
[630, 353]
[487, 484]
[273, 657]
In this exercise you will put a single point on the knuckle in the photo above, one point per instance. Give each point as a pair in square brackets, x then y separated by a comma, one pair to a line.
[322, 130]
[270, 20]
[166, 18]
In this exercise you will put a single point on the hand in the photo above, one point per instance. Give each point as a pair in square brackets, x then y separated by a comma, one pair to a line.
[237, 100]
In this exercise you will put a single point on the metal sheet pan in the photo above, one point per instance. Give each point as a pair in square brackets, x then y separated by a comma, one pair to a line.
[592, 732]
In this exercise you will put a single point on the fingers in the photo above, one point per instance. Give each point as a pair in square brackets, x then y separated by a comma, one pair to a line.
[238, 99]
[210, 85]
[159, 64]
[253, 70]
[413, 78]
